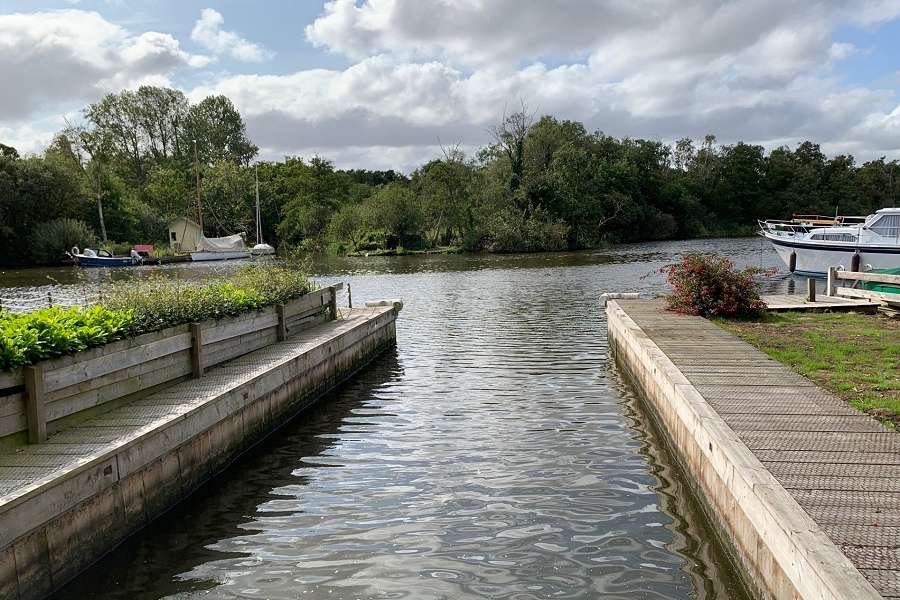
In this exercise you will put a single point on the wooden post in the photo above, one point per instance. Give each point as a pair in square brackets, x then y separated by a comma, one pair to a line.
[332, 304]
[349, 297]
[35, 404]
[831, 285]
[810, 290]
[196, 350]
[282, 326]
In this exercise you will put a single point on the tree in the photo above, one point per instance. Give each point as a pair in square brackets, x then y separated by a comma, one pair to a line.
[219, 131]
[394, 210]
[509, 137]
[8, 151]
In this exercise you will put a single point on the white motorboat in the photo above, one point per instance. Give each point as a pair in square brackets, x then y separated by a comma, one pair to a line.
[810, 246]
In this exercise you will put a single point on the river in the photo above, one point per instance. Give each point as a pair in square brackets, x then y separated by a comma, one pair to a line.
[496, 453]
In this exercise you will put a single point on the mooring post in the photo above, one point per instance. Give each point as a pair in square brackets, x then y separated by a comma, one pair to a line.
[332, 303]
[349, 297]
[831, 284]
[282, 325]
[196, 350]
[35, 404]
[810, 290]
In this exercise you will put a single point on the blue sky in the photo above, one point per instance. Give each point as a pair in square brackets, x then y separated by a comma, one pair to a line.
[383, 83]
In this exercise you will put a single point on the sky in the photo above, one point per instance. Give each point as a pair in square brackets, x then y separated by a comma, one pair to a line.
[385, 84]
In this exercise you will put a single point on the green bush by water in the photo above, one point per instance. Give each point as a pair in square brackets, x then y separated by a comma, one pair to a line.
[133, 308]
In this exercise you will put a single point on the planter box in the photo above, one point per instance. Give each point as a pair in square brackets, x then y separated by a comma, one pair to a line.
[41, 399]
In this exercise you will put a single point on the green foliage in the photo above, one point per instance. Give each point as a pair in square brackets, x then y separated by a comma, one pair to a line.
[161, 302]
[135, 308]
[51, 240]
[31, 337]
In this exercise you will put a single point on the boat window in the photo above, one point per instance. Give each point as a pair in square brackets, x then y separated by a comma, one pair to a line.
[174, 236]
[887, 225]
[834, 237]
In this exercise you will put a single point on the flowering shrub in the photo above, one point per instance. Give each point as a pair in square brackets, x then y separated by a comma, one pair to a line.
[709, 285]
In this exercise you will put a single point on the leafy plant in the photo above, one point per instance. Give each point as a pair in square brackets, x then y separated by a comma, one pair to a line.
[30, 337]
[710, 285]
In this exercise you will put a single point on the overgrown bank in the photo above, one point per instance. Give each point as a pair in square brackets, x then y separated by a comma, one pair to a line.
[133, 308]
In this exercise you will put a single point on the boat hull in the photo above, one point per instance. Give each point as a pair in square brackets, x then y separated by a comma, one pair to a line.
[225, 255]
[815, 258]
[104, 261]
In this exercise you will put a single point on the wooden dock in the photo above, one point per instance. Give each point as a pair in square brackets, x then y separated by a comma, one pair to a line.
[839, 465]
[799, 302]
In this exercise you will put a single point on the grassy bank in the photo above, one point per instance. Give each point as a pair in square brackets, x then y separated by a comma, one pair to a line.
[855, 356]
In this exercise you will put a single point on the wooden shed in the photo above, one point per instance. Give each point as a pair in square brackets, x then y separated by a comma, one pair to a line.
[184, 235]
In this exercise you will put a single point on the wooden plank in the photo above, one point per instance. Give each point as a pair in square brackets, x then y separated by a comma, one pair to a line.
[281, 328]
[196, 350]
[215, 331]
[869, 276]
[115, 361]
[10, 379]
[300, 323]
[73, 404]
[11, 424]
[116, 376]
[112, 347]
[240, 346]
[35, 408]
[871, 295]
[310, 300]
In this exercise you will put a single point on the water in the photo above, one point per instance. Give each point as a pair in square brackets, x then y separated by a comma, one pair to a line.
[496, 453]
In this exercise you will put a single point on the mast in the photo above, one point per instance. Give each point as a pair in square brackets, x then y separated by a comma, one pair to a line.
[199, 201]
[259, 239]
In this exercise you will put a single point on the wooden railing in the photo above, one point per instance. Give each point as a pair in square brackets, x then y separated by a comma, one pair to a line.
[45, 397]
[834, 289]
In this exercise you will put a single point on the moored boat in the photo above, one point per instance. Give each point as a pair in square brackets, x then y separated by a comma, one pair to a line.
[102, 258]
[853, 243]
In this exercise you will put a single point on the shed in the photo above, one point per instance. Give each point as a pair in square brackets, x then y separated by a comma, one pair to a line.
[184, 235]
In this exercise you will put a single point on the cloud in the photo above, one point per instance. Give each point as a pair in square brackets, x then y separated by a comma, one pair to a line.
[208, 33]
[49, 59]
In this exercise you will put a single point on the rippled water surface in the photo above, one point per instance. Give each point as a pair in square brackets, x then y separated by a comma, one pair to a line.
[495, 453]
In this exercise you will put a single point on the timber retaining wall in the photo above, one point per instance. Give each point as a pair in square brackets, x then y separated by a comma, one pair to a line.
[53, 529]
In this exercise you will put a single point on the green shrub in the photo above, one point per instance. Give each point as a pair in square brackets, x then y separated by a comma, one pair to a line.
[133, 308]
[53, 239]
[30, 337]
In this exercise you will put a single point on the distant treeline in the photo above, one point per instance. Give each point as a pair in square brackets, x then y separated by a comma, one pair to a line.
[542, 184]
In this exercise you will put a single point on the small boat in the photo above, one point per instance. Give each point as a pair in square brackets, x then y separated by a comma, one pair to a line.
[809, 246]
[102, 258]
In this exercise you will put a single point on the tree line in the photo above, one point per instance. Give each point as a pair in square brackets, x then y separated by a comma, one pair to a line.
[142, 157]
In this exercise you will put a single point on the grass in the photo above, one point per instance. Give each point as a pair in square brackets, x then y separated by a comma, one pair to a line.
[856, 356]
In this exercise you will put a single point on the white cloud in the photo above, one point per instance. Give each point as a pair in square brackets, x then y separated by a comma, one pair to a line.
[50, 59]
[208, 33]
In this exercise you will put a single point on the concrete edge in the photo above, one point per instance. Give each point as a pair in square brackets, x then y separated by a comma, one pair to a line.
[813, 564]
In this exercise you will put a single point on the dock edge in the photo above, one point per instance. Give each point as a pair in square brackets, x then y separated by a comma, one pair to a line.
[781, 550]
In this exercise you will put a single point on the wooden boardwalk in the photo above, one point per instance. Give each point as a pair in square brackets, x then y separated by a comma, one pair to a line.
[842, 467]
[798, 302]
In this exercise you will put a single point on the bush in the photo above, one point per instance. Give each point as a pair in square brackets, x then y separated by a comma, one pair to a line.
[709, 285]
[133, 308]
[53, 239]
[30, 337]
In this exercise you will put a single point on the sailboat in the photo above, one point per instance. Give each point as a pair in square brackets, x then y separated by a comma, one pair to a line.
[261, 248]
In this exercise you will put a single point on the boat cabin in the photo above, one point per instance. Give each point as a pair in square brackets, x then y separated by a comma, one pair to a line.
[184, 235]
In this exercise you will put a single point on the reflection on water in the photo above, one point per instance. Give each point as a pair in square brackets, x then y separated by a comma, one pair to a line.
[495, 454]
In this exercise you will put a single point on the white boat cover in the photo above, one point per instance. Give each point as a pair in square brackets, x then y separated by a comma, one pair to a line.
[221, 244]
